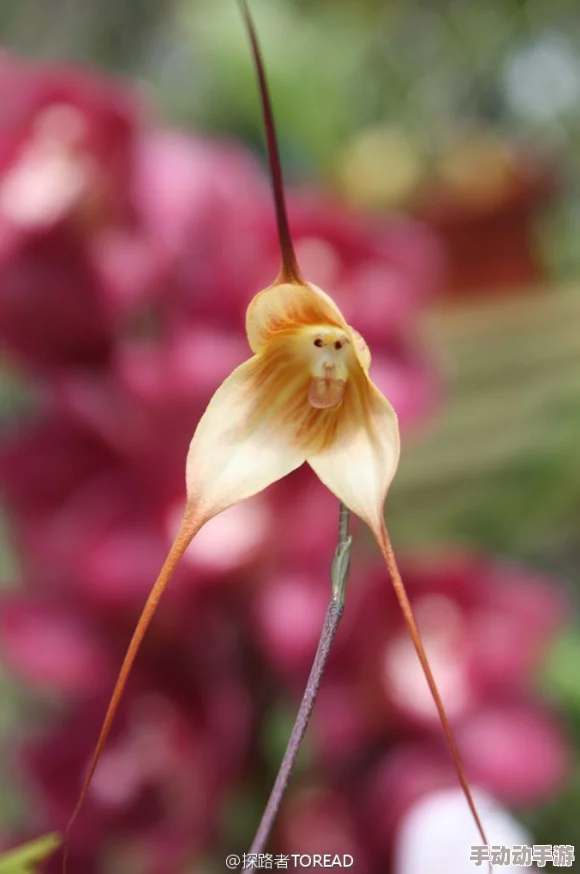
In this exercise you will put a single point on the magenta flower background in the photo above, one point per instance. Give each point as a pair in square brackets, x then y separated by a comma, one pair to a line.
[128, 254]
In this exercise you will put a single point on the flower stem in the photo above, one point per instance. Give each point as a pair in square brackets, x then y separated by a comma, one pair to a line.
[339, 577]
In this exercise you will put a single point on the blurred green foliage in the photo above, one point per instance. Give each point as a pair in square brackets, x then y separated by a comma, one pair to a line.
[27, 858]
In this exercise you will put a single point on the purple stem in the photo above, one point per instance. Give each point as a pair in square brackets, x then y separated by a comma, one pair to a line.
[340, 571]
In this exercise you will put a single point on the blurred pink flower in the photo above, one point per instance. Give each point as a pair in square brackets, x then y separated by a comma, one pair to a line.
[517, 750]
[66, 151]
[517, 753]
[289, 612]
[53, 647]
[179, 744]
[65, 145]
[320, 820]
[485, 624]
[52, 311]
[375, 731]
[201, 204]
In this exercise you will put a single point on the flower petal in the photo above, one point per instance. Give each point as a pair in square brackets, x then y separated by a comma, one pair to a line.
[286, 307]
[363, 353]
[359, 463]
[249, 435]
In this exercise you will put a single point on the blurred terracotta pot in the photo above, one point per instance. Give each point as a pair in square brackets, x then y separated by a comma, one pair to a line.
[482, 199]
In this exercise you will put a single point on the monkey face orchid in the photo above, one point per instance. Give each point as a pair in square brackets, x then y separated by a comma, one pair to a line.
[305, 395]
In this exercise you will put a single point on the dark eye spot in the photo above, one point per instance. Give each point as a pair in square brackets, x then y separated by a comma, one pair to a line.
[338, 345]
[318, 342]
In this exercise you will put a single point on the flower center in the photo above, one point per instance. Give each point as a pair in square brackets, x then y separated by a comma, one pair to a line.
[330, 350]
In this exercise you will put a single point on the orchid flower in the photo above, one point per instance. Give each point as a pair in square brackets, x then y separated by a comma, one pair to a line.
[305, 395]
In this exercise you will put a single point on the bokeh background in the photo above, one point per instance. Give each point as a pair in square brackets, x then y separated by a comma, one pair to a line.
[430, 151]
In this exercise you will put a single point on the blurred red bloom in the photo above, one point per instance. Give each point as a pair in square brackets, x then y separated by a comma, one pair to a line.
[375, 731]
[66, 152]
[485, 624]
[320, 820]
[65, 145]
[53, 647]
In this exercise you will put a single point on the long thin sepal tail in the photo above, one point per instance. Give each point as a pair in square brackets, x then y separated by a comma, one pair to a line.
[386, 548]
[289, 271]
[189, 527]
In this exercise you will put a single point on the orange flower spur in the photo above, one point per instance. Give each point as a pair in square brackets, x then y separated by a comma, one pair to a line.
[305, 395]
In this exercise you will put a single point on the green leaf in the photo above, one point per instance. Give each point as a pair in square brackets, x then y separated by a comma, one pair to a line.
[560, 672]
[23, 860]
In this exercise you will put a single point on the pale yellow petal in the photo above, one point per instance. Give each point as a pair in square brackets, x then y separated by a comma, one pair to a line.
[286, 307]
[363, 352]
[360, 461]
[250, 433]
